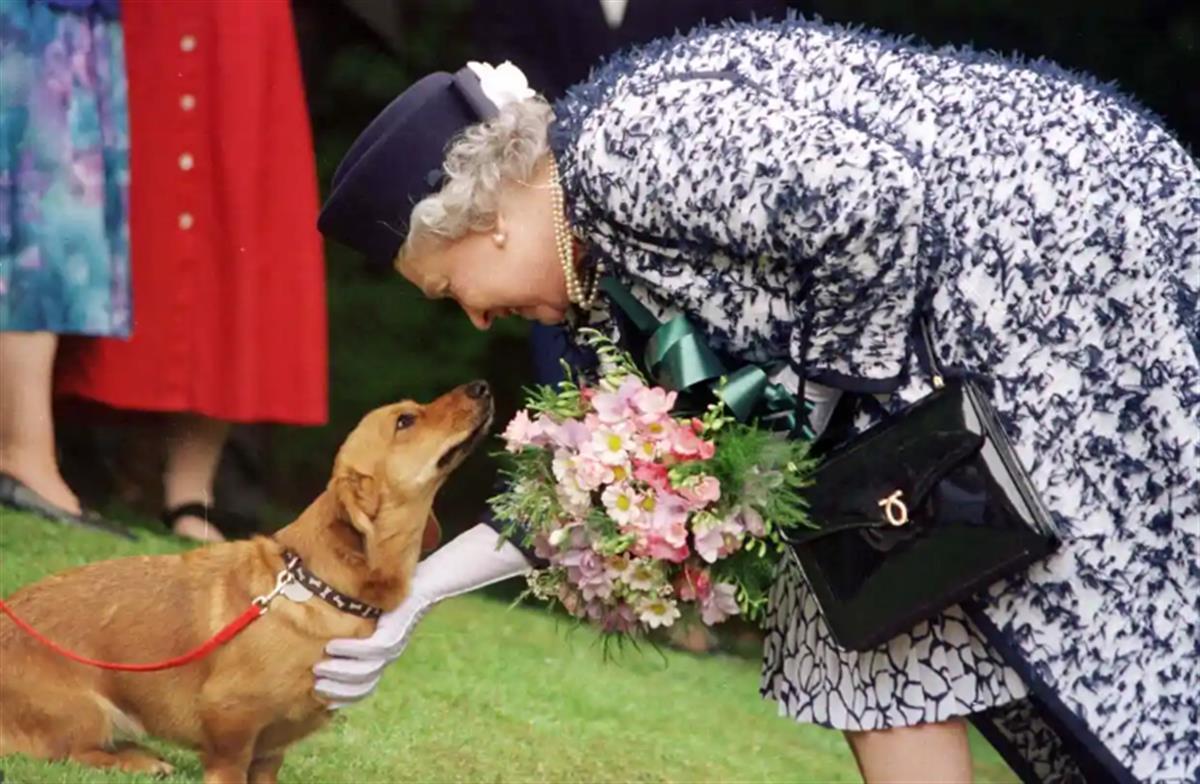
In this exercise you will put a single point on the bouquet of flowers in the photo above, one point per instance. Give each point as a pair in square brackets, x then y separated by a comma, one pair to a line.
[642, 511]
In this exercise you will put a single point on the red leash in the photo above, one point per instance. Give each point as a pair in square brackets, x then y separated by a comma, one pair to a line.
[258, 607]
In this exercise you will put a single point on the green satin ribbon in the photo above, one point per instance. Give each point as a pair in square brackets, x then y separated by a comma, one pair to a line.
[677, 358]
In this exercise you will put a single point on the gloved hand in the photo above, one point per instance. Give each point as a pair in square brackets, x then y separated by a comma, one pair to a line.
[470, 561]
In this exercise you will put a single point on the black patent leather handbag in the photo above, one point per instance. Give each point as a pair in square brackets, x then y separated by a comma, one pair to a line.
[920, 512]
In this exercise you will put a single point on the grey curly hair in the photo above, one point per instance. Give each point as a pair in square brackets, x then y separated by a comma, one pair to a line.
[478, 163]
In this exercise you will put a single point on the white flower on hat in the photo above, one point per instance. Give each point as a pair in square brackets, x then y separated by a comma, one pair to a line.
[502, 84]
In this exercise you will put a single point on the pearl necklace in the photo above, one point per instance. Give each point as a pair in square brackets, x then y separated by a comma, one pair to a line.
[566, 248]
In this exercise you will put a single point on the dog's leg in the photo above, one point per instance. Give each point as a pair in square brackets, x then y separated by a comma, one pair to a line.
[265, 770]
[131, 759]
[228, 746]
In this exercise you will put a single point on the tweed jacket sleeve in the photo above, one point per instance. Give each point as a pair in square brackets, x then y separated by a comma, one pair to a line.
[674, 176]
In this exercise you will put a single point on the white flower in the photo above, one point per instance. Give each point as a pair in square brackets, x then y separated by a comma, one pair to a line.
[643, 576]
[611, 446]
[621, 503]
[502, 84]
[657, 611]
[618, 566]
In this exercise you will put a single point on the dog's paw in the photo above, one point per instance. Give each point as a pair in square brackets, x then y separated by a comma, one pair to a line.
[161, 769]
[134, 760]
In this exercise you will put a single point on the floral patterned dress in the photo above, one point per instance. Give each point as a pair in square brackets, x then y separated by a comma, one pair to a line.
[64, 171]
[802, 192]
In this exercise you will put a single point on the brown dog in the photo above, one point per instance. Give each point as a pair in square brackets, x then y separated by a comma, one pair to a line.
[244, 704]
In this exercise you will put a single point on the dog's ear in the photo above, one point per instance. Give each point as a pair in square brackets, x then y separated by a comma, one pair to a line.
[433, 533]
[358, 495]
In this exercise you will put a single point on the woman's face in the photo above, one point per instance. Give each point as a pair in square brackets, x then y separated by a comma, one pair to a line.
[512, 270]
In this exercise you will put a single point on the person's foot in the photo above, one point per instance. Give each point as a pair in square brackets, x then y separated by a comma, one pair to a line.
[197, 529]
[193, 521]
[46, 482]
[15, 494]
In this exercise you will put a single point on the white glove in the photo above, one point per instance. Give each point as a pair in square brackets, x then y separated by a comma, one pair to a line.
[470, 561]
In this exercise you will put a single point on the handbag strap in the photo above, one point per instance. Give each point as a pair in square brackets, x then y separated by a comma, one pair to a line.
[925, 351]
[931, 361]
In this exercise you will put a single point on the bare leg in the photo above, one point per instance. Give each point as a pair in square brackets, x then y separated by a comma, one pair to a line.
[194, 446]
[27, 449]
[924, 753]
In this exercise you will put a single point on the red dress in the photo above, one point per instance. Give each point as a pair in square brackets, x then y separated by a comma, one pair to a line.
[227, 265]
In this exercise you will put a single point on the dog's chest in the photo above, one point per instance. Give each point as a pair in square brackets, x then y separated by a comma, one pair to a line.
[297, 725]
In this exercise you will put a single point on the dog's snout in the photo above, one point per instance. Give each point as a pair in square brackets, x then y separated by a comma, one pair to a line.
[477, 390]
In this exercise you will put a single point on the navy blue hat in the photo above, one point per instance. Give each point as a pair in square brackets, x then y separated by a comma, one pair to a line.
[397, 161]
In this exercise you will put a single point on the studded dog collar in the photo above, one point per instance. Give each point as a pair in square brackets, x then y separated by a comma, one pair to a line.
[324, 591]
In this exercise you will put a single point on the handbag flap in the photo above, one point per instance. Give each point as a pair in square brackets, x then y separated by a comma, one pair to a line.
[891, 468]
[879, 486]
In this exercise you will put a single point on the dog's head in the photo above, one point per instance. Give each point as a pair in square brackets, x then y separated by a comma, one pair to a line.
[399, 455]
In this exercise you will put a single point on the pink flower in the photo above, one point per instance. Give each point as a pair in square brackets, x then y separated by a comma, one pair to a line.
[753, 521]
[653, 403]
[703, 492]
[670, 513]
[720, 604]
[591, 473]
[686, 445]
[717, 541]
[520, 432]
[659, 548]
[587, 570]
[620, 619]
[596, 587]
[573, 434]
[693, 583]
[612, 407]
[652, 474]
[658, 430]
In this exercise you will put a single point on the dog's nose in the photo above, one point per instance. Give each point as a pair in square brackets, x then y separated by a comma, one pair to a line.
[477, 390]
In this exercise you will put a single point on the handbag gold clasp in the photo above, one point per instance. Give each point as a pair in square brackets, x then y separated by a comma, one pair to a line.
[894, 508]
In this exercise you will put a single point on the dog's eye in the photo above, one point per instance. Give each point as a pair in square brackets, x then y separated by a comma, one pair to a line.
[405, 421]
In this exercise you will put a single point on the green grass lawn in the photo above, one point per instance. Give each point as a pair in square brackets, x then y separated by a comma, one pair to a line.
[486, 693]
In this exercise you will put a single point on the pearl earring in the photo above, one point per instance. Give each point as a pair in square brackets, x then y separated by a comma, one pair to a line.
[499, 238]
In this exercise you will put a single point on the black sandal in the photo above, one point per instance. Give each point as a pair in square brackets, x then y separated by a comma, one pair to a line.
[231, 525]
[15, 494]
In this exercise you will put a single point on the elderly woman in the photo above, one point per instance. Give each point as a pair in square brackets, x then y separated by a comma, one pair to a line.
[804, 194]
